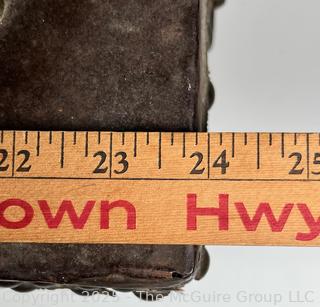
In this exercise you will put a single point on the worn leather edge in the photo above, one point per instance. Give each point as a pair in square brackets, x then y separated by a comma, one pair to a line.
[205, 27]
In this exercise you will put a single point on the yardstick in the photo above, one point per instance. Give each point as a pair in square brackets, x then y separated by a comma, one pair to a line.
[160, 188]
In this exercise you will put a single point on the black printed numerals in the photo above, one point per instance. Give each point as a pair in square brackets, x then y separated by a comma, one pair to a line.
[296, 169]
[123, 163]
[197, 169]
[3, 160]
[24, 166]
[222, 162]
[316, 161]
[101, 167]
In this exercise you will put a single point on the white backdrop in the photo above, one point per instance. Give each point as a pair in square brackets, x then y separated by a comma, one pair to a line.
[266, 69]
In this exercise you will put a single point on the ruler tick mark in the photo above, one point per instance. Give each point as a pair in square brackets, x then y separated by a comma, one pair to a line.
[123, 138]
[172, 138]
[208, 155]
[13, 151]
[270, 139]
[282, 145]
[258, 150]
[62, 150]
[308, 155]
[184, 145]
[74, 137]
[1, 136]
[26, 137]
[148, 138]
[246, 139]
[135, 145]
[197, 138]
[38, 143]
[295, 139]
[50, 137]
[86, 153]
[110, 160]
[99, 137]
[221, 139]
[233, 145]
[159, 151]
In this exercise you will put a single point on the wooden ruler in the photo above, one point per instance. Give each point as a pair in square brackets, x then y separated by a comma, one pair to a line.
[160, 188]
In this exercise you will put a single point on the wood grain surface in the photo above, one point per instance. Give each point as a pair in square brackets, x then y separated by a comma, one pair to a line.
[160, 188]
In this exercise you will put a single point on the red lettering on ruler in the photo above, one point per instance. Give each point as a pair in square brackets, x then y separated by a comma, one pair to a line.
[193, 212]
[251, 224]
[79, 219]
[314, 225]
[24, 222]
[66, 206]
[106, 207]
